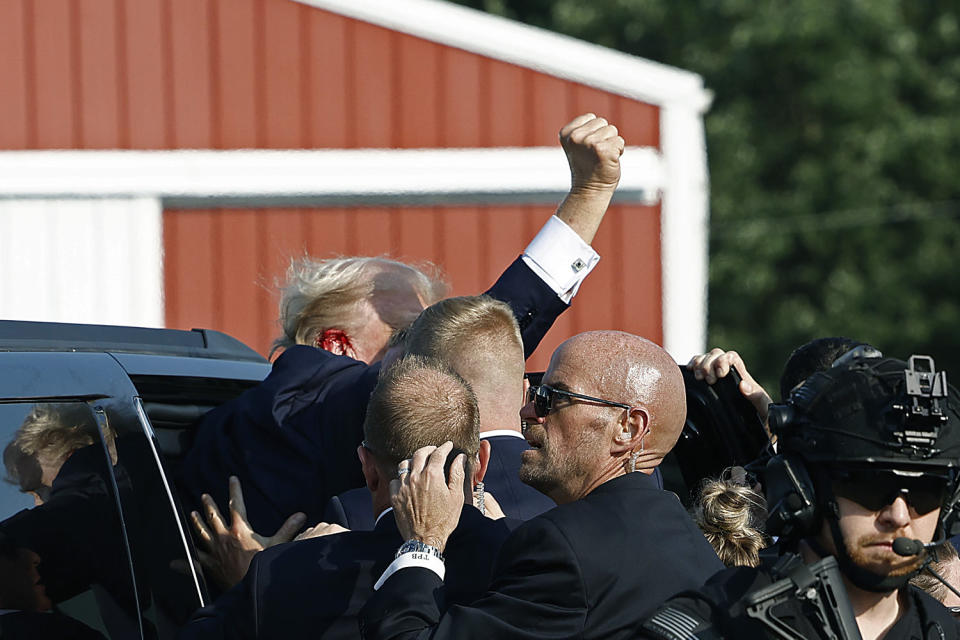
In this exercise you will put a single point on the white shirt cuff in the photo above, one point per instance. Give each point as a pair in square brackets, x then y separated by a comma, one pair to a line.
[413, 559]
[560, 257]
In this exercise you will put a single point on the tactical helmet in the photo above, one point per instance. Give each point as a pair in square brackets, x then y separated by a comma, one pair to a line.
[866, 413]
[872, 410]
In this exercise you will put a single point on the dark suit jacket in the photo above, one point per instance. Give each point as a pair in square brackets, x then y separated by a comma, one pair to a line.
[353, 509]
[316, 587]
[592, 568]
[291, 440]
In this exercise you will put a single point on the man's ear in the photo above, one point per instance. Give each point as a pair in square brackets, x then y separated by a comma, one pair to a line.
[337, 342]
[371, 473]
[483, 454]
[632, 428]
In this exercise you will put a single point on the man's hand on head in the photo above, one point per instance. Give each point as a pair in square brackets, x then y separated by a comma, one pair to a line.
[425, 504]
[228, 550]
[717, 363]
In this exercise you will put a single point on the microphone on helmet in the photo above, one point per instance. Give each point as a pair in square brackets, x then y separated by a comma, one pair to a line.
[908, 547]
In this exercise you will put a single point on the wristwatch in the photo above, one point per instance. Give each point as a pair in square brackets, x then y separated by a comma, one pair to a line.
[415, 546]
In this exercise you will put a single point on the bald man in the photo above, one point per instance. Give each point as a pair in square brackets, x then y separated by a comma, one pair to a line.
[611, 406]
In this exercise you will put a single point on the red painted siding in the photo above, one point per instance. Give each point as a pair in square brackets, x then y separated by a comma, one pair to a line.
[147, 74]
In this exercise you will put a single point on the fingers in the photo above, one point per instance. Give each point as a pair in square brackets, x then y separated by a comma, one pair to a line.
[601, 134]
[438, 458]
[457, 472]
[589, 134]
[236, 504]
[288, 529]
[321, 529]
[581, 133]
[214, 519]
[715, 364]
[201, 528]
[428, 461]
[575, 123]
[419, 459]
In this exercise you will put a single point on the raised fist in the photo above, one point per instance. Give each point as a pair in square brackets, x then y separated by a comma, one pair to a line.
[593, 147]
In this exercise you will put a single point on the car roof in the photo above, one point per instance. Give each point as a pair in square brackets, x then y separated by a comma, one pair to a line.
[18, 335]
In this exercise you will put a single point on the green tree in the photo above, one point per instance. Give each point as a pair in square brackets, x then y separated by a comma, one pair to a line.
[833, 144]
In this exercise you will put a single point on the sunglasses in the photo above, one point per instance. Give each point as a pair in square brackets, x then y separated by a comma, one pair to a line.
[543, 396]
[876, 490]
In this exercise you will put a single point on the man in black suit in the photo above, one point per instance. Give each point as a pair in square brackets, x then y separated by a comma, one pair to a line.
[291, 439]
[611, 406]
[316, 586]
[478, 337]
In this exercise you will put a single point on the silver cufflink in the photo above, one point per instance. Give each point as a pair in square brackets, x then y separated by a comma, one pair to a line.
[578, 265]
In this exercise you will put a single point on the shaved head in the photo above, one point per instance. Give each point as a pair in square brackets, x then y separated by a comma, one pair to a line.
[634, 371]
[617, 404]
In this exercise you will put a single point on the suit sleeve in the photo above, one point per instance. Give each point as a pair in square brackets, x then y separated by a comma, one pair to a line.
[538, 592]
[535, 304]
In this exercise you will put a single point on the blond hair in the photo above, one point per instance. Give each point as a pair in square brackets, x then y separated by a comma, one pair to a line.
[476, 335]
[731, 517]
[322, 294]
[45, 439]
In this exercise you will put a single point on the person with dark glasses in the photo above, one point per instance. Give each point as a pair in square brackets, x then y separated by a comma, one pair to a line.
[861, 489]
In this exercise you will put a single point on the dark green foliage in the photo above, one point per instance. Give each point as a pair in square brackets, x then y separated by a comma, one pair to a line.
[834, 145]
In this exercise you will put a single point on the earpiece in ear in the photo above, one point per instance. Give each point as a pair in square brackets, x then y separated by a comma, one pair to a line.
[624, 436]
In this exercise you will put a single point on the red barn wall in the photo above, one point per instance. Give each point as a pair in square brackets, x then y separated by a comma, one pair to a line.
[227, 74]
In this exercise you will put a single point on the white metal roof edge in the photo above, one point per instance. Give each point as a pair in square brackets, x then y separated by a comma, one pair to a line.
[468, 175]
[538, 49]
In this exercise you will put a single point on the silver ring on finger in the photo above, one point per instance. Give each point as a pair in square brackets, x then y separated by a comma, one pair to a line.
[402, 471]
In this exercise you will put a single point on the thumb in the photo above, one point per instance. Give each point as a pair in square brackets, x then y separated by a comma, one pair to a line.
[457, 473]
[288, 529]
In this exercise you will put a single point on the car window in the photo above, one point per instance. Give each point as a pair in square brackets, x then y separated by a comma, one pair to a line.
[64, 566]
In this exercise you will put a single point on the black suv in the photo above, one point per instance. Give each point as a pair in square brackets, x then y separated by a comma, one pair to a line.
[93, 422]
